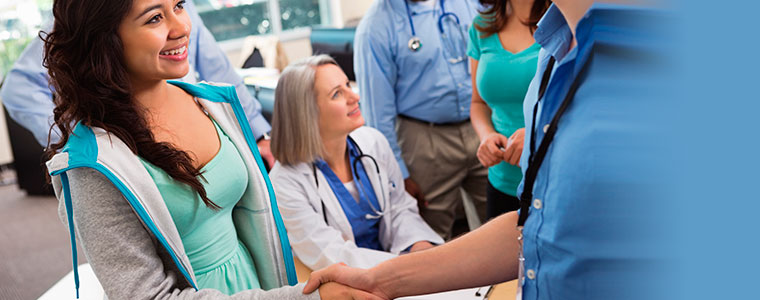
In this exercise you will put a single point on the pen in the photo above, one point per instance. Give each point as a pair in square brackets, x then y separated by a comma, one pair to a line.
[488, 292]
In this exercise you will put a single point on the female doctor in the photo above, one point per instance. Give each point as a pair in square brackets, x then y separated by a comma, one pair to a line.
[340, 189]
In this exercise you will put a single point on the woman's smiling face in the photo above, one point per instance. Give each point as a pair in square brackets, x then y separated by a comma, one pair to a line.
[339, 112]
[155, 36]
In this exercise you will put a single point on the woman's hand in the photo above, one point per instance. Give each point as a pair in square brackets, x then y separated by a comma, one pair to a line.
[489, 151]
[514, 148]
[421, 245]
[338, 275]
[337, 291]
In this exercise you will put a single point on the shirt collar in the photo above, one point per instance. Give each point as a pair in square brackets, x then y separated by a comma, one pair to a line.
[553, 33]
[414, 7]
[418, 8]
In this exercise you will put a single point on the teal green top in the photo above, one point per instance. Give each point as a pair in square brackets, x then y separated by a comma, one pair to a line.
[502, 80]
[220, 261]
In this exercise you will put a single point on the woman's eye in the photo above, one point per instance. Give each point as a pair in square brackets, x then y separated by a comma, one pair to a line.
[154, 19]
[336, 94]
[180, 5]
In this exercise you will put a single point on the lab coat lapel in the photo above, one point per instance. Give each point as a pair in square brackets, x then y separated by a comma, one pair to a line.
[382, 192]
[335, 213]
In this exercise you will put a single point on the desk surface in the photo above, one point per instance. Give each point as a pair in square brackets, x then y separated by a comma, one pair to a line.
[502, 291]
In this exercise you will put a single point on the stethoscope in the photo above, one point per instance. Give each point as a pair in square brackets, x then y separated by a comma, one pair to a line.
[376, 212]
[415, 44]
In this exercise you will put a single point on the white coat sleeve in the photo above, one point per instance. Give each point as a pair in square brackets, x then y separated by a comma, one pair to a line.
[314, 242]
[407, 226]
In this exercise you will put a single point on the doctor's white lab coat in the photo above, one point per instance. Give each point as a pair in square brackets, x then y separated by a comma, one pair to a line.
[318, 244]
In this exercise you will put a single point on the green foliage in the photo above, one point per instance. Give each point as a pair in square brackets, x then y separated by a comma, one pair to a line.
[10, 50]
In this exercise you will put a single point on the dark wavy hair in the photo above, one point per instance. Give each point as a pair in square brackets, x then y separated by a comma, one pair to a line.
[85, 60]
[495, 15]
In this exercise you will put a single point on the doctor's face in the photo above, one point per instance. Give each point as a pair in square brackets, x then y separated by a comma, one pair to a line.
[339, 112]
[155, 35]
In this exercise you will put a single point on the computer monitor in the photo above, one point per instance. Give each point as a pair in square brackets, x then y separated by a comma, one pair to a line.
[338, 43]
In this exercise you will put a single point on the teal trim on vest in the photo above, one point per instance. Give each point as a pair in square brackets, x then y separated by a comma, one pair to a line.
[215, 93]
[228, 94]
[82, 148]
[72, 235]
[139, 209]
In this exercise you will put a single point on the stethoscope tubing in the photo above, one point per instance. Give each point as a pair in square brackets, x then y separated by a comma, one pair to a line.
[415, 43]
[440, 19]
[378, 213]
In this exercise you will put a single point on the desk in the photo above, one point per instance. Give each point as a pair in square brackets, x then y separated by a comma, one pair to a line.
[502, 291]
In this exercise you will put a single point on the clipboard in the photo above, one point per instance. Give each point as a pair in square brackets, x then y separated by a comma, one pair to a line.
[480, 293]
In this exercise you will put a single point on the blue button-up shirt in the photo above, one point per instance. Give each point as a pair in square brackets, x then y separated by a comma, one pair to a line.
[585, 237]
[423, 85]
[28, 98]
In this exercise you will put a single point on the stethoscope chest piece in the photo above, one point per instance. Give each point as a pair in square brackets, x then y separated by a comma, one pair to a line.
[415, 44]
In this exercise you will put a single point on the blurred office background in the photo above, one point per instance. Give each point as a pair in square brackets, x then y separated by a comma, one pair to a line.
[261, 35]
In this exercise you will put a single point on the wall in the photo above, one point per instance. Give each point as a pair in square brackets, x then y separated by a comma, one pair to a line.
[353, 10]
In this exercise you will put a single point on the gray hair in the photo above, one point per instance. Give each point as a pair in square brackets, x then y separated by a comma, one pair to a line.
[295, 123]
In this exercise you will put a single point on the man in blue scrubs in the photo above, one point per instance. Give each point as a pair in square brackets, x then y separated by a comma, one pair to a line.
[28, 99]
[415, 87]
[593, 217]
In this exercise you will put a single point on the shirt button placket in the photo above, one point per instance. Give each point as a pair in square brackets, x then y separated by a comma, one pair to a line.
[531, 274]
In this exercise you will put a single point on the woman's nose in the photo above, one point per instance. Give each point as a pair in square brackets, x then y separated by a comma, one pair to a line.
[180, 27]
[353, 97]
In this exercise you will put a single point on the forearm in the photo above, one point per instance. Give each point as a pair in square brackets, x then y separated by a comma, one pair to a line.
[480, 116]
[455, 265]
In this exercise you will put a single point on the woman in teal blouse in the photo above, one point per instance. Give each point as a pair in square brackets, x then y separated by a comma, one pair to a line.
[503, 60]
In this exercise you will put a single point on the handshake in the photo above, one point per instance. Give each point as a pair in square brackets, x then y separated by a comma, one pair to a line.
[340, 281]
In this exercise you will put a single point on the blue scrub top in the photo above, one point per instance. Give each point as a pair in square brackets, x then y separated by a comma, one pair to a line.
[587, 233]
[366, 230]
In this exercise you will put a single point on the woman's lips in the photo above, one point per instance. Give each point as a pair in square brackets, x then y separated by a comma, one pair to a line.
[354, 112]
[178, 54]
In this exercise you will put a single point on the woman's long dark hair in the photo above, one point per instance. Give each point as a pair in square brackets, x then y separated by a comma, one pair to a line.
[495, 15]
[85, 60]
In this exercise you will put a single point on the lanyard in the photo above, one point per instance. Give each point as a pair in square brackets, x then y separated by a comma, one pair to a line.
[536, 157]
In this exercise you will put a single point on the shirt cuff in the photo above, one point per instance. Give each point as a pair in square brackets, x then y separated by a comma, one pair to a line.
[404, 170]
[259, 126]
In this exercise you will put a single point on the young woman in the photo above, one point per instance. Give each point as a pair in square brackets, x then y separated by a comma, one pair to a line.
[340, 188]
[161, 182]
[503, 59]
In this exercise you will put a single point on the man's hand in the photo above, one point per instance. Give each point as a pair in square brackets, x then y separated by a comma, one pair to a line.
[266, 152]
[337, 291]
[413, 189]
[421, 245]
[514, 147]
[340, 273]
